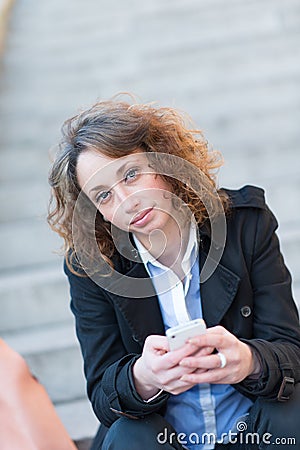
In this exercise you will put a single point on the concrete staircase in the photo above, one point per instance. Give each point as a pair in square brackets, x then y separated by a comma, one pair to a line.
[233, 66]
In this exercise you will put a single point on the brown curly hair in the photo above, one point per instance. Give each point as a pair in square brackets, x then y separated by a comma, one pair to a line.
[116, 129]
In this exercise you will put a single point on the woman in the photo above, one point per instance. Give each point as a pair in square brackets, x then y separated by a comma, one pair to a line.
[151, 243]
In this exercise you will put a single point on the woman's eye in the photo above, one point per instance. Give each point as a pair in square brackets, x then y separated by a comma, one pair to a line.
[103, 196]
[131, 175]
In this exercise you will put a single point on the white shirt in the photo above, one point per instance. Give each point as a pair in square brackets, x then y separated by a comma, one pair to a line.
[171, 291]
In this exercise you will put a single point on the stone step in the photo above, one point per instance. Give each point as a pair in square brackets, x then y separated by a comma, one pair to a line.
[225, 111]
[78, 418]
[237, 73]
[27, 244]
[32, 199]
[249, 166]
[280, 197]
[34, 298]
[53, 356]
[190, 16]
[35, 158]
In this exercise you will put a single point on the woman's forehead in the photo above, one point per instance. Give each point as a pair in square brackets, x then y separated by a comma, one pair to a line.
[93, 167]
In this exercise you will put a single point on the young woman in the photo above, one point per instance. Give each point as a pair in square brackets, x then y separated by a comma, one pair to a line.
[150, 243]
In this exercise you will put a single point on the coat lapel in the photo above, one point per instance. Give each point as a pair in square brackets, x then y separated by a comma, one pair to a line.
[217, 294]
[219, 290]
[142, 314]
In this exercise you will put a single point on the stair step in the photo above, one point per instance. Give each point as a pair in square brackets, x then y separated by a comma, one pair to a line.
[79, 419]
[34, 297]
[54, 357]
[32, 199]
[27, 243]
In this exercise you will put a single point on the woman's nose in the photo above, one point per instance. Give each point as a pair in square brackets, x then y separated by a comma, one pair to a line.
[129, 202]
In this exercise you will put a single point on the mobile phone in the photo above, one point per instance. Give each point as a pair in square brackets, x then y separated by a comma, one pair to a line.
[178, 335]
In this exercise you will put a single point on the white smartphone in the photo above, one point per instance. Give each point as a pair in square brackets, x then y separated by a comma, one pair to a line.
[178, 335]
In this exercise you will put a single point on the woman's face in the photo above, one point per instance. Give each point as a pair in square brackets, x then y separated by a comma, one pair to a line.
[127, 192]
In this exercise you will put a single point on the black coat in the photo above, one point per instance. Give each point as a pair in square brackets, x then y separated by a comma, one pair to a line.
[249, 294]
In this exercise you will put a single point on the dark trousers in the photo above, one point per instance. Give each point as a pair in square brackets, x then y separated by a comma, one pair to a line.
[270, 425]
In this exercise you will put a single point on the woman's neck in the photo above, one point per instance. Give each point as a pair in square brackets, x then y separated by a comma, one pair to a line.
[169, 248]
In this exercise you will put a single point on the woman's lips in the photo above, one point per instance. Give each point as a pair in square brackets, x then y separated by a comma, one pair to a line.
[141, 218]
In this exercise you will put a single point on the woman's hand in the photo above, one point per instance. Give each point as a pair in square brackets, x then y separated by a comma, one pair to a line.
[157, 368]
[207, 368]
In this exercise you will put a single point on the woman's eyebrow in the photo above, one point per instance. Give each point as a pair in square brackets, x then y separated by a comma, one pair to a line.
[123, 167]
[118, 172]
[98, 188]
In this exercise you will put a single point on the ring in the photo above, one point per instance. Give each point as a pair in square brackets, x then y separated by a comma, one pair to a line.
[222, 359]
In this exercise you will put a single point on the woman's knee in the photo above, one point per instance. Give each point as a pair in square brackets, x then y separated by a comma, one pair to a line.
[278, 422]
[129, 434]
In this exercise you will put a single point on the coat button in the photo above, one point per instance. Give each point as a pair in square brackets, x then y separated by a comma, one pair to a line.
[246, 311]
[216, 246]
[135, 253]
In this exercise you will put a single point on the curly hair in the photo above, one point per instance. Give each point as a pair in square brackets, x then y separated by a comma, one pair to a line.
[116, 129]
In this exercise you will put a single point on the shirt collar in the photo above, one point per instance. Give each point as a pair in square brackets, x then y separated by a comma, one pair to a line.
[147, 258]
